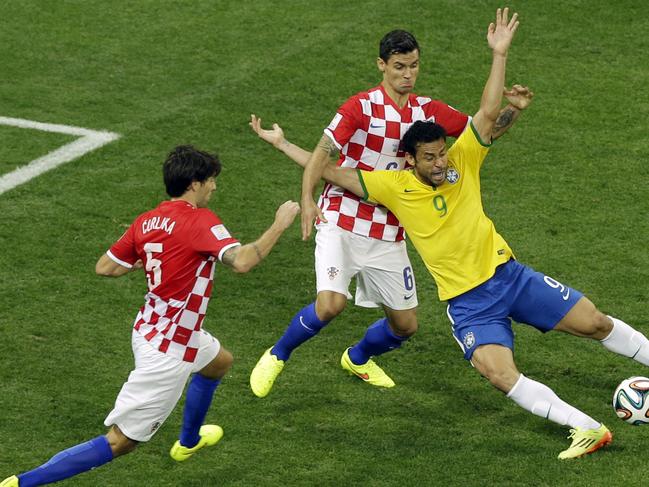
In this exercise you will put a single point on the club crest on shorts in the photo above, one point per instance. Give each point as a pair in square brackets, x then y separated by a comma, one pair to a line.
[332, 272]
[155, 426]
[452, 175]
[469, 340]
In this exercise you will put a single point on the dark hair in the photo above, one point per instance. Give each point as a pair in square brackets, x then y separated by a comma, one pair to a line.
[186, 164]
[397, 42]
[421, 132]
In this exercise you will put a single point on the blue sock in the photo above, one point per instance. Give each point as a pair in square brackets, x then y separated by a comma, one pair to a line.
[378, 339]
[73, 461]
[304, 325]
[197, 402]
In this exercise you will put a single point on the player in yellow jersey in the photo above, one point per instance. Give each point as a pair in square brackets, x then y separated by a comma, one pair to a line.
[439, 204]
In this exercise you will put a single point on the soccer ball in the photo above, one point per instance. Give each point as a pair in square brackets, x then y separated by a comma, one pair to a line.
[631, 400]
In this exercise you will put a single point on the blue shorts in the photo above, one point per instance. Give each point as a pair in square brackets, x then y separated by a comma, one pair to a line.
[483, 315]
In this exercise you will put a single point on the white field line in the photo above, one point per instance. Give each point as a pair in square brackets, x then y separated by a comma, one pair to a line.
[89, 140]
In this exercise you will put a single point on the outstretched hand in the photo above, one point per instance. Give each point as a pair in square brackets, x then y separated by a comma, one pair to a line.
[519, 96]
[275, 137]
[501, 33]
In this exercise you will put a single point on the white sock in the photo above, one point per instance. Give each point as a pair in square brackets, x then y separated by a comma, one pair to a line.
[628, 342]
[539, 399]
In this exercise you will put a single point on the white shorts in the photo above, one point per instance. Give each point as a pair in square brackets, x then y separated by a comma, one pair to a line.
[382, 269]
[154, 387]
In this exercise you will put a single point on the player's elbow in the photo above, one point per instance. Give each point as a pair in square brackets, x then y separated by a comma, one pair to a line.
[101, 272]
[103, 268]
[241, 265]
[106, 267]
[241, 269]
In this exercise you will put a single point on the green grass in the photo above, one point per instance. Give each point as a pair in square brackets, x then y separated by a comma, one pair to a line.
[567, 189]
[18, 149]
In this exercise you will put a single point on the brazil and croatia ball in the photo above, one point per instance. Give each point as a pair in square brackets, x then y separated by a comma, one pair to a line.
[631, 400]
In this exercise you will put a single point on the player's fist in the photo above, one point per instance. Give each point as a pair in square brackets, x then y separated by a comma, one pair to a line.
[286, 213]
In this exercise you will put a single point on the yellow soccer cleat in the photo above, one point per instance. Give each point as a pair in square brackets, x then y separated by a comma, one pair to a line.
[210, 435]
[264, 374]
[586, 441]
[10, 482]
[369, 372]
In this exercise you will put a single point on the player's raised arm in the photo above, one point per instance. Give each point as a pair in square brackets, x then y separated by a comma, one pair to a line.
[499, 36]
[243, 258]
[275, 137]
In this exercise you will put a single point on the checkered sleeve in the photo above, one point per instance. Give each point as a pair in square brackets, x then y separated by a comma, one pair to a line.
[123, 251]
[345, 122]
[210, 236]
[453, 121]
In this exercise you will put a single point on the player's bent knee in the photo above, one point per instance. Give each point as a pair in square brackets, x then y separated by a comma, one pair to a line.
[329, 304]
[225, 361]
[219, 366]
[602, 326]
[405, 328]
[119, 443]
[502, 380]
[585, 320]
[499, 370]
[594, 324]
[402, 322]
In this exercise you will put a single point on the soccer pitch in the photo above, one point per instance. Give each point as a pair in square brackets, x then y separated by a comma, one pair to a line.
[566, 187]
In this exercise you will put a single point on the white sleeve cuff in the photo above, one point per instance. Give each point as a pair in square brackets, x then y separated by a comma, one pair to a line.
[119, 261]
[226, 248]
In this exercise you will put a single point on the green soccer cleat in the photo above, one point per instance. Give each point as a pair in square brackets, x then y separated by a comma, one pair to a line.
[264, 374]
[369, 372]
[586, 441]
[10, 482]
[210, 435]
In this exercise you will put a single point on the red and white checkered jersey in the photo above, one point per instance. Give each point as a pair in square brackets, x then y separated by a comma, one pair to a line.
[179, 245]
[367, 129]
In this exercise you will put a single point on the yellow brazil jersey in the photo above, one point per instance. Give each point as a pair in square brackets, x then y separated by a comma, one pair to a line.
[447, 225]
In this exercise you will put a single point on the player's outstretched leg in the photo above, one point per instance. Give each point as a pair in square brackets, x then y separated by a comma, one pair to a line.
[378, 339]
[304, 325]
[585, 441]
[626, 341]
[585, 320]
[75, 460]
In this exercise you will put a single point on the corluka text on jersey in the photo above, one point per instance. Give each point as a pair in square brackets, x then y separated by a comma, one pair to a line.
[158, 223]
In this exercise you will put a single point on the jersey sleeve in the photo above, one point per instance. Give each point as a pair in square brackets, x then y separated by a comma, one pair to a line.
[469, 151]
[210, 236]
[379, 186]
[453, 121]
[347, 120]
[123, 251]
